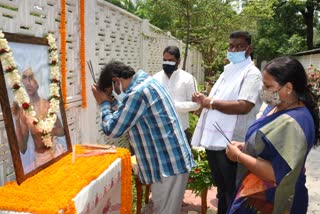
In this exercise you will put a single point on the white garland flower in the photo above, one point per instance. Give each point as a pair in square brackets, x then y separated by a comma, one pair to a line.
[14, 81]
[3, 42]
[54, 90]
[20, 96]
[55, 72]
[13, 78]
[54, 104]
[47, 140]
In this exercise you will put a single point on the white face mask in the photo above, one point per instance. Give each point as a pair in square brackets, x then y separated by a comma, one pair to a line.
[120, 96]
[237, 57]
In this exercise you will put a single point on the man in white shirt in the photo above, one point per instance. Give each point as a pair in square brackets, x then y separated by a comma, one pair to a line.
[232, 105]
[180, 84]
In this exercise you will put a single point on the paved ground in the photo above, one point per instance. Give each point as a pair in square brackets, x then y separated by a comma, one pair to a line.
[192, 204]
[313, 180]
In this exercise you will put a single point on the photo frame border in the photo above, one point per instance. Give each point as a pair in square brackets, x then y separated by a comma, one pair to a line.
[8, 119]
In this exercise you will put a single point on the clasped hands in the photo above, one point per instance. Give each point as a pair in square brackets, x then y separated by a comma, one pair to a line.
[100, 95]
[201, 99]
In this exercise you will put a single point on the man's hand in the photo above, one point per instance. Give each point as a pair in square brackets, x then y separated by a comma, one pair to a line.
[101, 96]
[18, 113]
[201, 99]
[15, 109]
[198, 97]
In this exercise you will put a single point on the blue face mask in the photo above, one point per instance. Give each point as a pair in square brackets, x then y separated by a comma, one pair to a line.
[236, 57]
[120, 96]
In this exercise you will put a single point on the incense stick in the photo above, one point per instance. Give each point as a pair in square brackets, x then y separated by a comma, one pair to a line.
[219, 129]
[91, 71]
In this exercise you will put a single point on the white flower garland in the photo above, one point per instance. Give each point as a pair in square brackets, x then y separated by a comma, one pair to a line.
[13, 77]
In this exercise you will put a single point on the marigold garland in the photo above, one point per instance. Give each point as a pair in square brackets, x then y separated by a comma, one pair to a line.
[63, 44]
[82, 55]
[54, 188]
[126, 194]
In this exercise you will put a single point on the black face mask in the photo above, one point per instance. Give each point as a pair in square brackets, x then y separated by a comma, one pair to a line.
[169, 69]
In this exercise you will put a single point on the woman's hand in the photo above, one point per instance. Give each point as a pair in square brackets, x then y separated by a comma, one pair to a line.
[258, 166]
[240, 145]
[234, 150]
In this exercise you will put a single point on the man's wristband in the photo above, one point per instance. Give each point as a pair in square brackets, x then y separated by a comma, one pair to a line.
[211, 104]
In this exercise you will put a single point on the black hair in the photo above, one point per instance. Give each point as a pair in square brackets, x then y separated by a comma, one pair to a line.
[241, 34]
[114, 69]
[288, 69]
[173, 50]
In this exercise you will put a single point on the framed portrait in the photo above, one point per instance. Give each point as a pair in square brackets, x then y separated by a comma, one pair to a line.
[32, 148]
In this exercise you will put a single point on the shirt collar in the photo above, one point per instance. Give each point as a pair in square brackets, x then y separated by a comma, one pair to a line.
[139, 77]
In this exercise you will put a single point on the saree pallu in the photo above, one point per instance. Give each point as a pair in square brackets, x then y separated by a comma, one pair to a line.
[284, 139]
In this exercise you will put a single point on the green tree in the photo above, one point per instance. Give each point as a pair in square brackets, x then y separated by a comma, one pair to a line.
[210, 33]
[290, 29]
[308, 10]
[188, 10]
[159, 13]
[127, 5]
[274, 40]
[205, 24]
[279, 27]
[174, 16]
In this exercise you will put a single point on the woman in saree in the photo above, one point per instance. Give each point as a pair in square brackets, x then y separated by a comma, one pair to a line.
[271, 174]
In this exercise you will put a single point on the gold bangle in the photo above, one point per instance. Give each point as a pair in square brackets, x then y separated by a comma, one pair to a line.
[238, 155]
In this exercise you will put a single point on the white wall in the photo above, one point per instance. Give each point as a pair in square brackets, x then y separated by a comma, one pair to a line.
[116, 34]
[307, 60]
[111, 33]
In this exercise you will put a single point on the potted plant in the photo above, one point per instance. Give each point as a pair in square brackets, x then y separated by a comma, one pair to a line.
[200, 179]
[314, 82]
[314, 79]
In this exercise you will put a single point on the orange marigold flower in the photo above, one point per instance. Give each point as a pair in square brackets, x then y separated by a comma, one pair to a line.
[70, 178]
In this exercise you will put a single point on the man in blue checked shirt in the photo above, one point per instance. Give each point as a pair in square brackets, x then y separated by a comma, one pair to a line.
[146, 111]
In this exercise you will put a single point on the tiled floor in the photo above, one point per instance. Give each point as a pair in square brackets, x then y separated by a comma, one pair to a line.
[192, 204]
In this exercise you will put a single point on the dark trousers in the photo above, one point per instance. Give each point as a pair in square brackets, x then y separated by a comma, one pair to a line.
[188, 136]
[223, 172]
